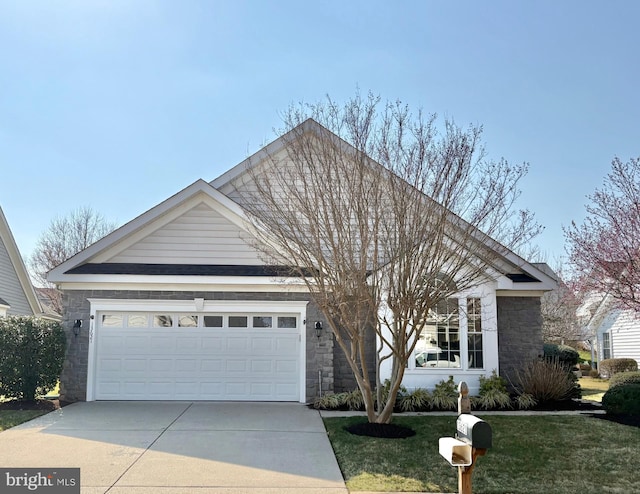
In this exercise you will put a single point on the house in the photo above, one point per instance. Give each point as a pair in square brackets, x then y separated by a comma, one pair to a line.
[177, 304]
[17, 295]
[615, 332]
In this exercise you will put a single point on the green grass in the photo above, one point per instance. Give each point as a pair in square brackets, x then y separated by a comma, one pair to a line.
[530, 454]
[593, 389]
[11, 418]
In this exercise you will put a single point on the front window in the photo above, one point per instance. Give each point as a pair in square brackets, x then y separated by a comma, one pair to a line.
[439, 343]
[452, 338]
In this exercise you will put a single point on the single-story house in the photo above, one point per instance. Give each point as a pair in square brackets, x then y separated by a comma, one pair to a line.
[615, 332]
[177, 304]
[17, 295]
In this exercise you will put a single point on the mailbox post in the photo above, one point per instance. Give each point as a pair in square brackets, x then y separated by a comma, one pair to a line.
[473, 438]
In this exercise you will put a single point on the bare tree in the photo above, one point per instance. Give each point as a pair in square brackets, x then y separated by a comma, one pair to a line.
[64, 237]
[605, 249]
[560, 321]
[382, 229]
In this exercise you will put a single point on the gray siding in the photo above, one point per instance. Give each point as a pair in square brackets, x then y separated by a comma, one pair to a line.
[519, 333]
[10, 288]
[200, 236]
[73, 381]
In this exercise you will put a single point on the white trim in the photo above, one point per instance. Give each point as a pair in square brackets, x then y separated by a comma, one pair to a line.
[196, 283]
[143, 305]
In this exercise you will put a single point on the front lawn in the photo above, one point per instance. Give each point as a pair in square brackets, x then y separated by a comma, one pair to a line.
[593, 389]
[11, 418]
[530, 454]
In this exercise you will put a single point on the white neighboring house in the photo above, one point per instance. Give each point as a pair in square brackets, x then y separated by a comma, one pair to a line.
[616, 331]
[17, 295]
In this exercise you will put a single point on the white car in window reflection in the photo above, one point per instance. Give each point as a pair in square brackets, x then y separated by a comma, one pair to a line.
[435, 357]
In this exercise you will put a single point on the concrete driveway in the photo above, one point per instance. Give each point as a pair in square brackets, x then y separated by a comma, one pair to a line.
[181, 447]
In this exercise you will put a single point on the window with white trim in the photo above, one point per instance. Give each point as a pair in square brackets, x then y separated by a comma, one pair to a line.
[450, 324]
[606, 346]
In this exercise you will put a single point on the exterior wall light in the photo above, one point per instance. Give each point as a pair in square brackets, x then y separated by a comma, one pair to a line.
[318, 328]
[77, 324]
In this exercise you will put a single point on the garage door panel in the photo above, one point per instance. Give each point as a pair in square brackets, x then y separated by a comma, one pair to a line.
[197, 363]
[210, 365]
[261, 366]
[286, 366]
[135, 365]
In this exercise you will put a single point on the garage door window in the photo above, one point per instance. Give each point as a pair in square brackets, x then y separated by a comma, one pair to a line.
[212, 321]
[237, 321]
[138, 321]
[188, 322]
[112, 320]
[287, 322]
[262, 322]
[162, 321]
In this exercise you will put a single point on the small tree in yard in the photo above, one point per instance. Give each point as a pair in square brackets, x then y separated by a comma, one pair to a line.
[63, 238]
[31, 356]
[604, 250]
[382, 229]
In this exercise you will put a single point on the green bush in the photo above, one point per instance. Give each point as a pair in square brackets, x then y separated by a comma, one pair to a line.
[611, 366]
[354, 400]
[330, 401]
[623, 399]
[418, 400]
[565, 354]
[624, 378]
[493, 393]
[445, 395]
[31, 356]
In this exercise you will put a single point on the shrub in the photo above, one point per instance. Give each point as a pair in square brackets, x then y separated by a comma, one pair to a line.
[525, 401]
[612, 366]
[416, 401]
[493, 393]
[353, 400]
[445, 395]
[492, 399]
[567, 356]
[624, 378]
[546, 380]
[623, 399]
[31, 356]
[594, 373]
[329, 401]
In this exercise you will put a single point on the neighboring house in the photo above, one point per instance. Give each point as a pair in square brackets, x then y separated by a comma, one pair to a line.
[17, 295]
[178, 305]
[615, 331]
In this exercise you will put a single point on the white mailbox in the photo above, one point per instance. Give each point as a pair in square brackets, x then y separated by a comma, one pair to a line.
[456, 452]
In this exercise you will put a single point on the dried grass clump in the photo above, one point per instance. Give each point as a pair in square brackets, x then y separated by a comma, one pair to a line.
[545, 380]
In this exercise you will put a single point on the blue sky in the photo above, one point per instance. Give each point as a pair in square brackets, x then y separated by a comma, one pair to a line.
[120, 104]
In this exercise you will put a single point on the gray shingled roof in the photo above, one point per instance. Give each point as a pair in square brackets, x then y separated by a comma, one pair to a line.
[182, 269]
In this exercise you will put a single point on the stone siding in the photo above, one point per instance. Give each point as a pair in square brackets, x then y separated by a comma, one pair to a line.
[519, 333]
[344, 379]
[73, 381]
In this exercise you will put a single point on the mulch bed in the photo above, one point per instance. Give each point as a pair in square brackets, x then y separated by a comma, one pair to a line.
[388, 431]
[45, 405]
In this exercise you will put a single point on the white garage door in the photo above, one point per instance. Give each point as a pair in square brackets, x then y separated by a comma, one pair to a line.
[185, 356]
